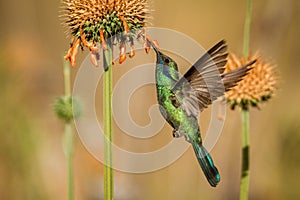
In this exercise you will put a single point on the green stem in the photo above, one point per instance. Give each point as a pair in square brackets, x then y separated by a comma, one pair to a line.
[247, 29]
[69, 151]
[244, 188]
[107, 95]
[67, 78]
[68, 138]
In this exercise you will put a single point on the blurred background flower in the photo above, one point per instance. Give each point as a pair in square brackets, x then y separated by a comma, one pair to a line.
[32, 164]
[257, 87]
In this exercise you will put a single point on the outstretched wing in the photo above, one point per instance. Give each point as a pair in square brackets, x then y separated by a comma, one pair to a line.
[202, 83]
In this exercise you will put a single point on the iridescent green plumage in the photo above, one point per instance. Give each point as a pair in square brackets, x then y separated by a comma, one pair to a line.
[181, 100]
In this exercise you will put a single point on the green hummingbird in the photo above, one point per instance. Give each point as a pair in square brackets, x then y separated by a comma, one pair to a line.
[182, 99]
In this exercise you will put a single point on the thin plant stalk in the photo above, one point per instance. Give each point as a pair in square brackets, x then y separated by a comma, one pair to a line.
[69, 151]
[107, 95]
[68, 137]
[247, 29]
[244, 187]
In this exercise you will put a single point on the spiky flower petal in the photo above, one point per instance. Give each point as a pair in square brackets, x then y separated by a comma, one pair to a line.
[257, 87]
[94, 21]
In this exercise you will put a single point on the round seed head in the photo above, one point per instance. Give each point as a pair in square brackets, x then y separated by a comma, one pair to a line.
[256, 87]
[67, 108]
[112, 16]
[92, 22]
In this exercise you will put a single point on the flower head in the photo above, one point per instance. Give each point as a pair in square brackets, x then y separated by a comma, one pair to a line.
[94, 21]
[256, 87]
[67, 108]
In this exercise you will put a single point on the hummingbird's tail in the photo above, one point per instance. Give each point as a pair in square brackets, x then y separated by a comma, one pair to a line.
[207, 164]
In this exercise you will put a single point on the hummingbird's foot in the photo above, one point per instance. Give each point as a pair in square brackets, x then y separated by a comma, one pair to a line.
[187, 138]
[177, 134]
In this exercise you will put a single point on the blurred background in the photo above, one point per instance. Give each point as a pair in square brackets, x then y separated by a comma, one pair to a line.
[32, 163]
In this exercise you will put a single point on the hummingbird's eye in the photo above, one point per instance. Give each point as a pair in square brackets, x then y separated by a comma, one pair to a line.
[167, 60]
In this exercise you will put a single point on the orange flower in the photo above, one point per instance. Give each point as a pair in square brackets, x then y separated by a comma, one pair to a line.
[94, 21]
[258, 86]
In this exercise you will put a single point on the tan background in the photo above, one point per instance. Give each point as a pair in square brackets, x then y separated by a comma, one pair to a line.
[32, 165]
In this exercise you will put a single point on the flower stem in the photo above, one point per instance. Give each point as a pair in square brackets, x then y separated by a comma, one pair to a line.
[68, 138]
[107, 95]
[244, 187]
[67, 78]
[247, 29]
[245, 155]
[68, 141]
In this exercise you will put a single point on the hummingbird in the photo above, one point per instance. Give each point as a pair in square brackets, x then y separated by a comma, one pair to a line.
[181, 99]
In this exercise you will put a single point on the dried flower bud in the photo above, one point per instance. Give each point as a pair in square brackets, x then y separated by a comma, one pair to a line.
[67, 108]
[122, 52]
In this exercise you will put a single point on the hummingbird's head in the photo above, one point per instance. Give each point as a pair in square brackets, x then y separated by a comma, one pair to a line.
[162, 58]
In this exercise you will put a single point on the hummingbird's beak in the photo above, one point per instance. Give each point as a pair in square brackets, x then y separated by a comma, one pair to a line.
[154, 45]
[149, 42]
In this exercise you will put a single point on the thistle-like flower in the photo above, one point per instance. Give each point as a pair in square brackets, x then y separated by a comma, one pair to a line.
[67, 108]
[257, 87]
[92, 22]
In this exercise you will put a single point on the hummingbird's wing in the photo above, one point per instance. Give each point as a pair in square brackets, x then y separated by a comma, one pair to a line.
[202, 83]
